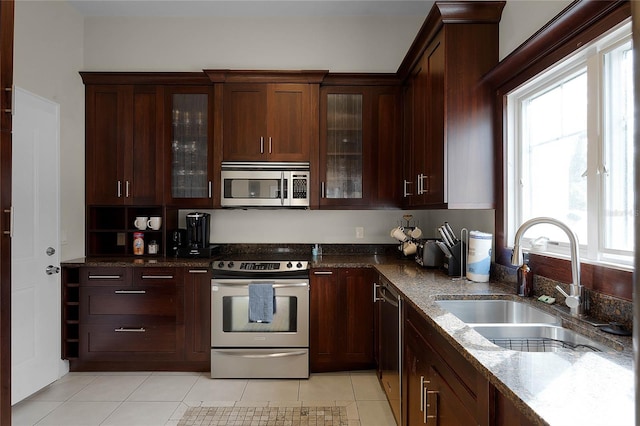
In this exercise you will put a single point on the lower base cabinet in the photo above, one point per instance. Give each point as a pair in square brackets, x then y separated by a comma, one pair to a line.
[442, 388]
[341, 335]
[136, 318]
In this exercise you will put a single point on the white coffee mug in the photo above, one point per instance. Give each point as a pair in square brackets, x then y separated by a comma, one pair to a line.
[409, 248]
[416, 233]
[141, 222]
[154, 223]
[398, 234]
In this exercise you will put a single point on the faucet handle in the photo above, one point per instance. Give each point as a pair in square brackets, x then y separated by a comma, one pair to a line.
[571, 301]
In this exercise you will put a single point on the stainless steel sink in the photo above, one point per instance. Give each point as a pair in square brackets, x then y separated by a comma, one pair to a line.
[497, 311]
[519, 326]
[537, 338]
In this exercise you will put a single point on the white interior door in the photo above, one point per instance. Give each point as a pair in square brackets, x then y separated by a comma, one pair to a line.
[35, 294]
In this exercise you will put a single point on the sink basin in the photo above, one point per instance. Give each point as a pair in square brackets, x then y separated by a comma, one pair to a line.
[538, 338]
[497, 311]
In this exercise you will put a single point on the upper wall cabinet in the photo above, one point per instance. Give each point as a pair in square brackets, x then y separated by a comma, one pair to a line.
[269, 116]
[360, 149]
[189, 146]
[448, 108]
[123, 153]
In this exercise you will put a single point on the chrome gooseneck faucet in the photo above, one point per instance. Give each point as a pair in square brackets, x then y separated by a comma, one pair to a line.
[574, 300]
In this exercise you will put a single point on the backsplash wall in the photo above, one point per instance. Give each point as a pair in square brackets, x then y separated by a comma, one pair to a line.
[232, 226]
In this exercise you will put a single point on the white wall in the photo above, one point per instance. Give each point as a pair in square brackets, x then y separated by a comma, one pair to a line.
[47, 57]
[333, 226]
[363, 44]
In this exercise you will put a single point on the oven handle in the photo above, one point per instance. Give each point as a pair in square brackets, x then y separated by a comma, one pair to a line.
[260, 282]
[244, 354]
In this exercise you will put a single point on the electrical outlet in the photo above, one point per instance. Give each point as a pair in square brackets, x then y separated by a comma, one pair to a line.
[359, 232]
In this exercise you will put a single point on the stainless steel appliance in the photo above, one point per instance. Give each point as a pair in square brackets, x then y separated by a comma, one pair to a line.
[265, 184]
[429, 255]
[390, 344]
[246, 347]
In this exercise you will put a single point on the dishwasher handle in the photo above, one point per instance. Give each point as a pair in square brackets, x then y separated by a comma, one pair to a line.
[386, 298]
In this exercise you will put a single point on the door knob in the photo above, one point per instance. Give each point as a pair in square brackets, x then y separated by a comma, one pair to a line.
[50, 251]
[52, 270]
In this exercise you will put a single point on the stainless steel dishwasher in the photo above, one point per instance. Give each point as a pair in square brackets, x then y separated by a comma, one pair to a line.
[389, 307]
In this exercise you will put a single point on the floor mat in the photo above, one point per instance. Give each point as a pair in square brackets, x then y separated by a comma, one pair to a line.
[264, 416]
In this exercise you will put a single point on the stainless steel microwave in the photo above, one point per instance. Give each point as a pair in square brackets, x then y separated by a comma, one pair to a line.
[265, 184]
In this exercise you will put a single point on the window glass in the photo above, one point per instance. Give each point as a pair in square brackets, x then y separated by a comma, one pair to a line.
[570, 151]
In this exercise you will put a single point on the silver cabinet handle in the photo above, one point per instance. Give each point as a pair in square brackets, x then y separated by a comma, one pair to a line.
[427, 405]
[406, 193]
[322, 194]
[422, 386]
[270, 143]
[10, 231]
[198, 271]
[322, 273]
[130, 292]
[157, 277]
[375, 293]
[105, 277]
[119, 189]
[130, 330]
[210, 192]
[127, 190]
[261, 145]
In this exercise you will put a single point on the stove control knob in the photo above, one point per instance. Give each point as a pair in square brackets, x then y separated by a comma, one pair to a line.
[289, 265]
[221, 265]
[299, 265]
[230, 265]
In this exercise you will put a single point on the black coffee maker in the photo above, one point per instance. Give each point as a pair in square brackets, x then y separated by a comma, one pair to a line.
[197, 230]
[197, 236]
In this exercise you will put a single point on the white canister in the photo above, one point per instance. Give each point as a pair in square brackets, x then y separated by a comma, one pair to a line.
[479, 256]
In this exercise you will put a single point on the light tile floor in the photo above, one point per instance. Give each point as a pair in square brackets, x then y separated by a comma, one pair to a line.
[161, 398]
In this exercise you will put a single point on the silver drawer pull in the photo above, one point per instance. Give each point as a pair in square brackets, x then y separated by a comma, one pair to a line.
[105, 277]
[323, 273]
[130, 330]
[198, 271]
[130, 292]
[157, 277]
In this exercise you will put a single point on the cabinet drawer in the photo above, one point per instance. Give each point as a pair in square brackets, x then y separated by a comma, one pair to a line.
[157, 276]
[128, 338]
[105, 276]
[99, 304]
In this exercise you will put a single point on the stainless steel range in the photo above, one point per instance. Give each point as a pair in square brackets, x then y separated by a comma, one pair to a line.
[260, 319]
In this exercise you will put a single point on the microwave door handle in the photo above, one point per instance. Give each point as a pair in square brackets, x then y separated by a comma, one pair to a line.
[282, 188]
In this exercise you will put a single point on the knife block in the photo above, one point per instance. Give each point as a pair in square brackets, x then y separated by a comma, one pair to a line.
[456, 264]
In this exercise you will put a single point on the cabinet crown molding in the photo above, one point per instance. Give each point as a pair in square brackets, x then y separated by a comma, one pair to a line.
[266, 76]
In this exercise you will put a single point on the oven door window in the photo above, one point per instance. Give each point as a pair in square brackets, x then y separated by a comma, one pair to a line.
[235, 316]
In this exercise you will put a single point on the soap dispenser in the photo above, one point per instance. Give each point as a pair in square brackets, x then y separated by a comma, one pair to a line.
[525, 280]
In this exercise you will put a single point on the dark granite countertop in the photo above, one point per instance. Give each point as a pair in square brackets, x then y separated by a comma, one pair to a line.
[555, 388]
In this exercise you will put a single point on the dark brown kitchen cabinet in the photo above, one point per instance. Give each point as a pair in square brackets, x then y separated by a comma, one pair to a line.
[360, 146]
[110, 230]
[441, 387]
[189, 146]
[136, 317]
[341, 319]
[448, 107]
[267, 122]
[129, 318]
[123, 147]
[6, 95]
[197, 304]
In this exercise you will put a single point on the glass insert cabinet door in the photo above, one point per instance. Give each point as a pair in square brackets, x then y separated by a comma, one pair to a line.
[344, 150]
[189, 146]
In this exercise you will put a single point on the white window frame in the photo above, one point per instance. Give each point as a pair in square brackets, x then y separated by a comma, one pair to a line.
[590, 57]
